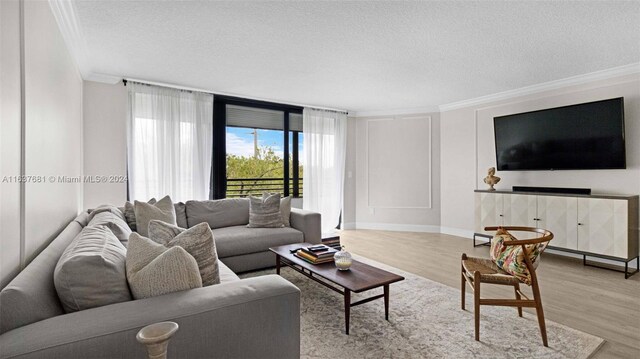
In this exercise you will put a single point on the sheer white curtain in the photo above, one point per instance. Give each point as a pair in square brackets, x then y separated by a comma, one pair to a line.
[169, 143]
[325, 142]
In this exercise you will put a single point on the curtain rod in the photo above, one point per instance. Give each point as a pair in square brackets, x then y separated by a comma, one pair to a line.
[184, 88]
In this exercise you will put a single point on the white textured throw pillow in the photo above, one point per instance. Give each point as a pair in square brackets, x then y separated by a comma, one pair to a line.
[153, 269]
[197, 241]
[163, 210]
[265, 212]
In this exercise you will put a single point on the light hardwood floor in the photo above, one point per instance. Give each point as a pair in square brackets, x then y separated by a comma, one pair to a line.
[596, 301]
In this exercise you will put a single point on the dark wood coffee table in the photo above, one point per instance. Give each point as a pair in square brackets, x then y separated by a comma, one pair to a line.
[359, 278]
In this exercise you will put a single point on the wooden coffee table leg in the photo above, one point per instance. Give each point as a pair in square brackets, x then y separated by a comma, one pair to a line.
[277, 264]
[347, 309]
[386, 302]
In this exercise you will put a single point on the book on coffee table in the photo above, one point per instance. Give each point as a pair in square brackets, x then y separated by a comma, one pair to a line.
[313, 260]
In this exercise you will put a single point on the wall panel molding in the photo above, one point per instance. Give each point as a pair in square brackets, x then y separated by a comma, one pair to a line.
[397, 183]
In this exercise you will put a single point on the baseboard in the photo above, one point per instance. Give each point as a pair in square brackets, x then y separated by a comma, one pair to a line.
[348, 225]
[398, 227]
[465, 233]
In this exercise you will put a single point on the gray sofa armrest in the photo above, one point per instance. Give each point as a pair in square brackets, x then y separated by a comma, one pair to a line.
[252, 318]
[308, 223]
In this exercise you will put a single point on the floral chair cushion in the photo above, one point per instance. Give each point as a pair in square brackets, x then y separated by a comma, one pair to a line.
[511, 258]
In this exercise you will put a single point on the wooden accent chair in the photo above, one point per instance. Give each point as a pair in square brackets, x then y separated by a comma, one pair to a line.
[483, 270]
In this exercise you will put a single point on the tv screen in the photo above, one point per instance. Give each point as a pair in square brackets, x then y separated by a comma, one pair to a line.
[583, 136]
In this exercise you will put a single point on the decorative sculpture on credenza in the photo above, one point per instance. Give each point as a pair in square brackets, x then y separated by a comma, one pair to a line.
[491, 179]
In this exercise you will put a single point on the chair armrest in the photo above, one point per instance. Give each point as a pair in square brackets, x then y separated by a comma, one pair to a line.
[251, 318]
[309, 223]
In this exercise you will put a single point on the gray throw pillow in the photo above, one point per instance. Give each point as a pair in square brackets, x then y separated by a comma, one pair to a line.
[130, 213]
[114, 223]
[285, 207]
[197, 241]
[265, 213]
[153, 269]
[91, 271]
[163, 210]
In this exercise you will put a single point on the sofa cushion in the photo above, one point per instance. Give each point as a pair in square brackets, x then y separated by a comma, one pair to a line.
[226, 274]
[238, 240]
[163, 210]
[31, 296]
[91, 271]
[197, 240]
[114, 223]
[153, 269]
[116, 211]
[181, 214]
[218, 213]
[130, 213]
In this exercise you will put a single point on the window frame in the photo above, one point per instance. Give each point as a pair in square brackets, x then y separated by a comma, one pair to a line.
[218, 182]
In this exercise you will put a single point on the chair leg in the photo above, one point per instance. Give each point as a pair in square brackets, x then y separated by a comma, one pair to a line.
[540, 312]
[476, 303]
[516, 288]
[462, 283]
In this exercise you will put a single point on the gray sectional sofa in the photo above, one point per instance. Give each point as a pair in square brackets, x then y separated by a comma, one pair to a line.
[238, 318]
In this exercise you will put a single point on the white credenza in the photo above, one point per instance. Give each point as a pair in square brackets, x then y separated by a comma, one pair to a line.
[591, 225]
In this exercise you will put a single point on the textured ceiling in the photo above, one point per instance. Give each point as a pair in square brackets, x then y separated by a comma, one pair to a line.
[357, 55]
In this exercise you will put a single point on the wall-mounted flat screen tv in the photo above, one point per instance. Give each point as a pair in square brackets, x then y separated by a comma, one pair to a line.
[577, 137]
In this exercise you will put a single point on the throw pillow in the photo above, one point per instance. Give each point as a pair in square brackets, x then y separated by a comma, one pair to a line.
[114, 223]
[197, 241]
[130, 213]
[265, 213]
[285, 208]
[153, 269]
[162, 210]
[91, 271]
[511, 258]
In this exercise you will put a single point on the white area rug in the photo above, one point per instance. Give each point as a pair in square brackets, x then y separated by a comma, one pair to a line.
[425, 321]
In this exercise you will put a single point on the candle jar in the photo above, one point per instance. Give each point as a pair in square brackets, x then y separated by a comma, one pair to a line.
[343, 259]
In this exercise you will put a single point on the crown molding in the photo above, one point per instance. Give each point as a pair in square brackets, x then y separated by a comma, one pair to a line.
[633, 68]
[103, 78]
[64, 11]
[396, 112]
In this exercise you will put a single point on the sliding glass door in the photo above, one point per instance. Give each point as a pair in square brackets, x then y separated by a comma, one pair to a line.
[262, 149]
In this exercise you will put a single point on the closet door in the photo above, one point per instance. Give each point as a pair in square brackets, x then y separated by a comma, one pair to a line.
[488, 210]
[603, 226]
[560, 216]
[520, 210]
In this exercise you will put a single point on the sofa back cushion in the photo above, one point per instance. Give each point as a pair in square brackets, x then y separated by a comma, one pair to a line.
[219, 213]
[31, 296]
[117, 225]
[91, 271]
[181, 214]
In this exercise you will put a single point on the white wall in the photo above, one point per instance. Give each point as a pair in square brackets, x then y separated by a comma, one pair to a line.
[397, 172]
[105, 142]
[468, 149]
[10, 139]
[52, 134]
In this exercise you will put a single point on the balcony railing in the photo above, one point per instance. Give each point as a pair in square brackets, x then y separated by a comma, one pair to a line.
[242, 187]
